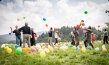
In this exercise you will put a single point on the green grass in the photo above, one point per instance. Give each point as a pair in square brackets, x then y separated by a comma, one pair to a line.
[59, 57]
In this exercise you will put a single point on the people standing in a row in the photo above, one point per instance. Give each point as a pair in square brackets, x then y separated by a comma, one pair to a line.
[18, 35]
[105, 34]
[27, 34]
[88, 37]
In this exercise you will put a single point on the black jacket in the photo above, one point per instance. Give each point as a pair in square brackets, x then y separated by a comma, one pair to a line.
[88, 33]
[50, 33]
[26, 30]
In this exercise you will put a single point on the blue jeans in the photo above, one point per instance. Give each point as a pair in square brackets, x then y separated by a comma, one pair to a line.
[18, 38]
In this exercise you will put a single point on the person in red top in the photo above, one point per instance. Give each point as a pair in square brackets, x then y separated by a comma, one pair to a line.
[92, 37]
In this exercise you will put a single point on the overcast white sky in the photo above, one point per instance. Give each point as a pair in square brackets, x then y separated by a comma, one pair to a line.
[58, 13]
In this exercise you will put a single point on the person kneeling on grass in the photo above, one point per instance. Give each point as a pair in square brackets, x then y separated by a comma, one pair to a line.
[88, 37]
[17, 34]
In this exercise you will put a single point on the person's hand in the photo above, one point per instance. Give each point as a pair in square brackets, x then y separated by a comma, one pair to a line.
[11, 28]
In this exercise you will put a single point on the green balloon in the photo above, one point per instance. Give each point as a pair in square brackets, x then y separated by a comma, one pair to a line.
[70, 46]
[89, 48]
[85, 12]
[10, 46]
[42, 54]
[18, 51]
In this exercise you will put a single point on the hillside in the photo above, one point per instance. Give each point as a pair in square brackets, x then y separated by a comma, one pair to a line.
[6, 38]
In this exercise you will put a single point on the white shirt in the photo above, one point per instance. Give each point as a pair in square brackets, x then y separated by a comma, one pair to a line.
[56, 35]
[72, 33]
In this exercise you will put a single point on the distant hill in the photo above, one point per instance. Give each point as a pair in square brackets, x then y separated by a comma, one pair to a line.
[6, 38]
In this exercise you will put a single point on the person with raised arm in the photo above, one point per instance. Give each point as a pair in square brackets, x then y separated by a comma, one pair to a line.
[88, 37]
[18, 35]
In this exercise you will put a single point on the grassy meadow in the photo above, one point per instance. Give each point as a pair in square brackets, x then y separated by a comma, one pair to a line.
[70, 56]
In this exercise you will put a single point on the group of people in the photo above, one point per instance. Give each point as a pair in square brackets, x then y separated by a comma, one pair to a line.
[89, 37]
[28, 35]
[74, 37]
[57, 36]
[88, 41]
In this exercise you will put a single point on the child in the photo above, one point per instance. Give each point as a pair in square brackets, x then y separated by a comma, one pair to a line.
[92, 37]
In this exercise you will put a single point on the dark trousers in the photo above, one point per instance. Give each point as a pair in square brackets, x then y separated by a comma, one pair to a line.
[73, 42]
[88, 41]
[32, 41]
[56, 40]
[105, 39]
[18, 38]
